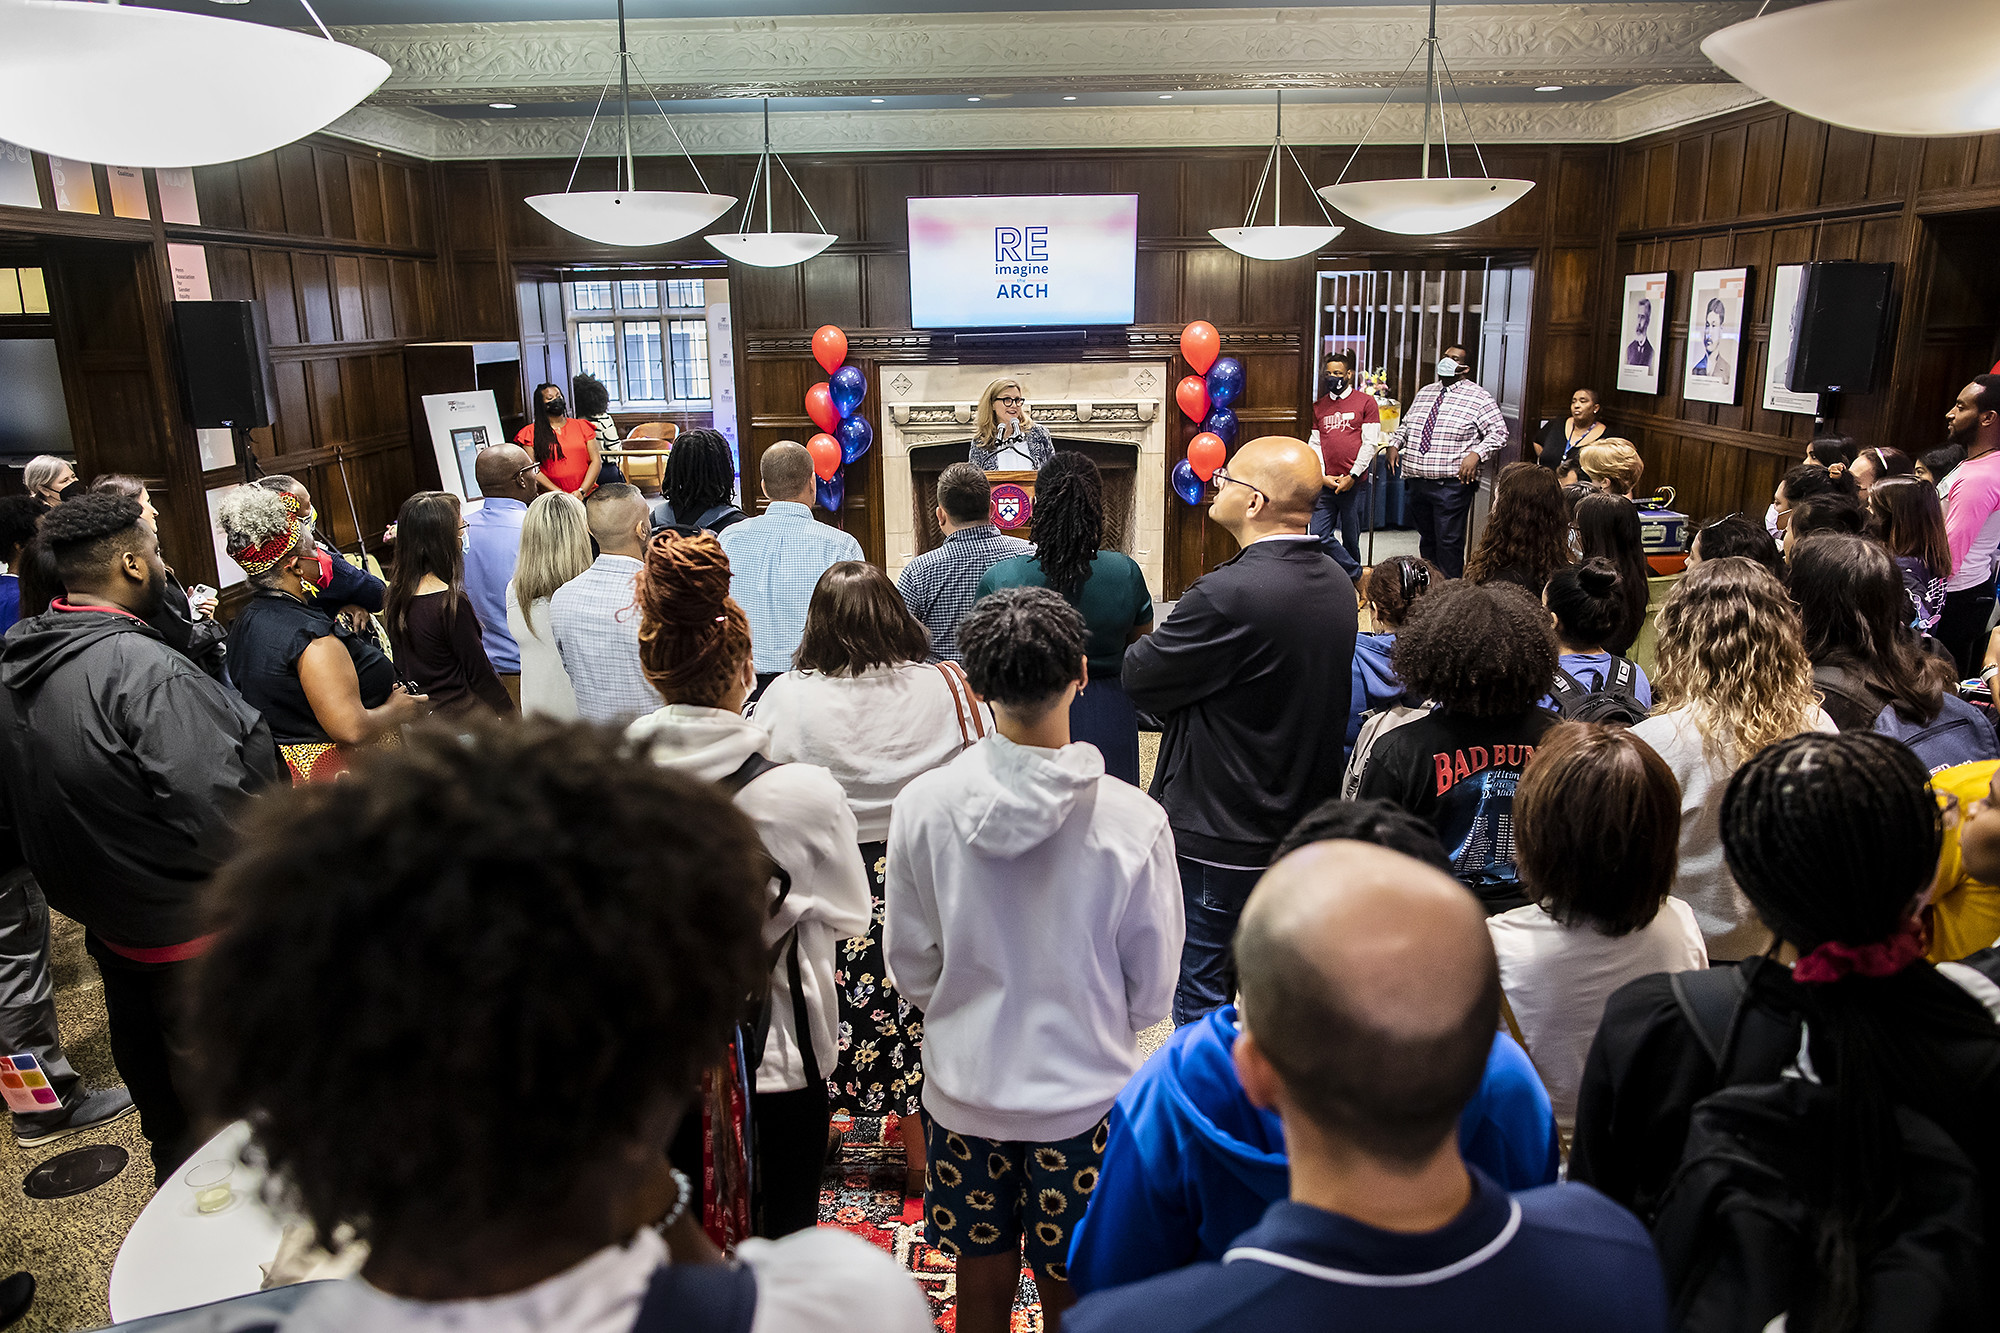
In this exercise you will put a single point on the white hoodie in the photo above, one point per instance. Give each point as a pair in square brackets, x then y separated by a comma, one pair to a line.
[802, 816]
[1034, 914]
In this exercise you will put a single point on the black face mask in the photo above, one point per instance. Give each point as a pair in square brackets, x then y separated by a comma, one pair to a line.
[1336, 385]
[72, 491]
[555, 407]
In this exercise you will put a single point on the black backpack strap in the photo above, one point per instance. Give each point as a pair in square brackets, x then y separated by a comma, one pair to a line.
[699, 1298]
[801, 1024]
[1709, 1001]
[752, 768]
[1568, 690]
[1621, 677]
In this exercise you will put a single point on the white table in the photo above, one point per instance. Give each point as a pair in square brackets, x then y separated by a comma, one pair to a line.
[175, 1258]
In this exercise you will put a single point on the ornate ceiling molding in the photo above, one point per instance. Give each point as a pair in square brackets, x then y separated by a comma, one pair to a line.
[1361, 47]
[1629, 115]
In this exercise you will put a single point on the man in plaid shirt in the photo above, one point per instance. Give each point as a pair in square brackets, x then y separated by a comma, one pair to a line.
[940, 586]
[1451, 427]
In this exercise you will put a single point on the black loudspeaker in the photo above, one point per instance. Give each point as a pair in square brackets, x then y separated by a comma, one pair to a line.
[1843, 313]
[225, 362]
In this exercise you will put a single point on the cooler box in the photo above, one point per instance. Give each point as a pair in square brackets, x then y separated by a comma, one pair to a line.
[1664, 535]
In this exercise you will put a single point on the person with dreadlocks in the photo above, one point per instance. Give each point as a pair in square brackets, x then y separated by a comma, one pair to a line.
[694, 647]
[700, 485]
[566, 447]
[1105, 586]
[323, 688]
[1875, 1075]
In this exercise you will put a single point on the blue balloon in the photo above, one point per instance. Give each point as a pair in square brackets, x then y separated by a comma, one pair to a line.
[855, 435]
[831, 492]
[1187, 485]
[1222, 422]
[847, 387]
[1225, 382]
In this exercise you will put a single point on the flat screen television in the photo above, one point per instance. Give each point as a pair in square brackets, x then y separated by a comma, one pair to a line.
[1023, 261]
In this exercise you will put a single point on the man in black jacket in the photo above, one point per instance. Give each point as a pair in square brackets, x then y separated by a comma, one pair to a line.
[1253, 674]
[123, 766]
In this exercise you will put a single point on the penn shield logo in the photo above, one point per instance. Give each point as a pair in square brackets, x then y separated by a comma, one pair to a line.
[1011, 506]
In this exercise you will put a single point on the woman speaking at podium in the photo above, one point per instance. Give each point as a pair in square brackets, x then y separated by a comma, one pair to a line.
[1004, 437]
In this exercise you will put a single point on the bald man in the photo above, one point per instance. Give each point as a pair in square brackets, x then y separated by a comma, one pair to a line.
[1252, 675]
[506, 477]
[1370, 999]
[595, 628]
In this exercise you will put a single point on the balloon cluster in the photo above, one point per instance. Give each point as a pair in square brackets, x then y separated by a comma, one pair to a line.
[845, 434]
[1205, 397]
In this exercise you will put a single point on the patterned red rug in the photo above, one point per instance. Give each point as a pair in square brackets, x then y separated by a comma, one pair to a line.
[863, 1193]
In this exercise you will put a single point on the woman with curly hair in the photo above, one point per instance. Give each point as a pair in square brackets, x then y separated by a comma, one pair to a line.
[324, 689]
[1106, 587]
[694, 647]
[1527, 535]
[1483, 655]
[1732, 676]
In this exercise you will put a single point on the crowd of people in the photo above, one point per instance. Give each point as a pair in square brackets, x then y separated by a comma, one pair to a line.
[616, 848]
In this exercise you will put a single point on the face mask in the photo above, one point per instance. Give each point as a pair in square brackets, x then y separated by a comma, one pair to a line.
[555, 407]
[1447, 368]
[71, 491]
[1336, 385]
[313, 574]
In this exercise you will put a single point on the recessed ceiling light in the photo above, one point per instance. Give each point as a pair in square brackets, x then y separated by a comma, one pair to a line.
[972, 99]
[1550, 88]
[876, 100]
[1071, 97]
[501, 106]
[1166, 97]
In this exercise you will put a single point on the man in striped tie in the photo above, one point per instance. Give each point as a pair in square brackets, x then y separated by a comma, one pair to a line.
[1450, 428]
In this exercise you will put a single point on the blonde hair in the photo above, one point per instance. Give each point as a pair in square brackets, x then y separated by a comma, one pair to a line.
[1732, 651]
[984, 426]
[1615, 461]
[555, 548]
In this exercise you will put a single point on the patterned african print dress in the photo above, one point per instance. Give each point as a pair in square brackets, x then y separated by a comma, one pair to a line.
[881, 1069]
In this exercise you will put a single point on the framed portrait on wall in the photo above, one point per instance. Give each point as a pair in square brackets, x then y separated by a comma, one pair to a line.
[1641, 322]
[1715, 334]
[1787, 291]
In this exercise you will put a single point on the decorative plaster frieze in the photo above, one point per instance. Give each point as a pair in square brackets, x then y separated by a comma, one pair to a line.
[1644, 111]
[1363, 46]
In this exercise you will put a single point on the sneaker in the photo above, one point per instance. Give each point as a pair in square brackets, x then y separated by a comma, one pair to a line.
[17, 1293]
[93, 1110]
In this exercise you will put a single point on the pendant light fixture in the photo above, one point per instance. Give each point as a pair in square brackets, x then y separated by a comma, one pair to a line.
[767, 248]
[156, 88]
[1277, 241]
[630, 216]
[1878, 66]
[1426, 205]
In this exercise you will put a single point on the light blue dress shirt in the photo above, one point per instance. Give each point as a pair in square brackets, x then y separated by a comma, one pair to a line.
[775, 561]
[595, 620]
[492, 545]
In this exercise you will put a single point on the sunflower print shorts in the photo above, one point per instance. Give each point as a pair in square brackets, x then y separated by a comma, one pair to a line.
[986, 1197]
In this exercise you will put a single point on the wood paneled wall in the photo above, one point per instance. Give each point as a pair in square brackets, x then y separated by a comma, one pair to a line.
[1765, 187]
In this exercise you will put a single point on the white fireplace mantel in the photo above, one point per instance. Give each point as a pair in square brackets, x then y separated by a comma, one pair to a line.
[1111, 402]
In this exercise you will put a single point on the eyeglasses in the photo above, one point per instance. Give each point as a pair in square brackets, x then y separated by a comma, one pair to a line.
[1222, 478]
[1011, 402]
[532, 467]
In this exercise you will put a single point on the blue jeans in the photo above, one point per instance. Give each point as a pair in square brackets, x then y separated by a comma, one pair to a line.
[1437, 508]
[1213, 898]
[1336, 521]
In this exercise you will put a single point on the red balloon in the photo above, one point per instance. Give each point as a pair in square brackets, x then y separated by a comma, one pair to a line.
[829, 347]
[1192, 394]
[826, 455]
[1201, 344]
[1206, 453]
[819, 406]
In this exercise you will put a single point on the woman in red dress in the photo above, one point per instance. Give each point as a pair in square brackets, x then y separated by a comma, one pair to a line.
[565, 447]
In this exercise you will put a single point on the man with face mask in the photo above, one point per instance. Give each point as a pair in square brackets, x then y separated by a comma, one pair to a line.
[123, 766]
[1448, 430]
[1347, 427]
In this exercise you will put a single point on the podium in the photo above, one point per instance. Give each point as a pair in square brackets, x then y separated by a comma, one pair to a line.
[1013, 504]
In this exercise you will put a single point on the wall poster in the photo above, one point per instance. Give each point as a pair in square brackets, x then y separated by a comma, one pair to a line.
[1641, 320]
[1715, 334]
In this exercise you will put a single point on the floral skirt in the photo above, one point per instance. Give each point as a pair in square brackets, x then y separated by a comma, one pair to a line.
[881, 1069]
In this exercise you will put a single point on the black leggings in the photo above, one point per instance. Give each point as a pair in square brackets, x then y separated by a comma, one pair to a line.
[1961, 626]
[791, 1158]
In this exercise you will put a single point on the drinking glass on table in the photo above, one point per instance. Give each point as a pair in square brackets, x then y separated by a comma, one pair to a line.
[210, 1182]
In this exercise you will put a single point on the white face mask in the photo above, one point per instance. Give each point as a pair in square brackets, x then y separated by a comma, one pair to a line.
[1771, 522]
[1447, 368]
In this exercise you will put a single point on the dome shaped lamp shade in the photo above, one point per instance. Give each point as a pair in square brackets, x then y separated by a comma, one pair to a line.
[1425, 207]
[1878, 66]
[630, 216]
[768, 248]
[154, 88]
[1277, 241]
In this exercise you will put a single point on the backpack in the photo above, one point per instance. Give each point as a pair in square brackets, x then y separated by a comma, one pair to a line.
[1959, 734]
[1615, 700]
[1737, 1225]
